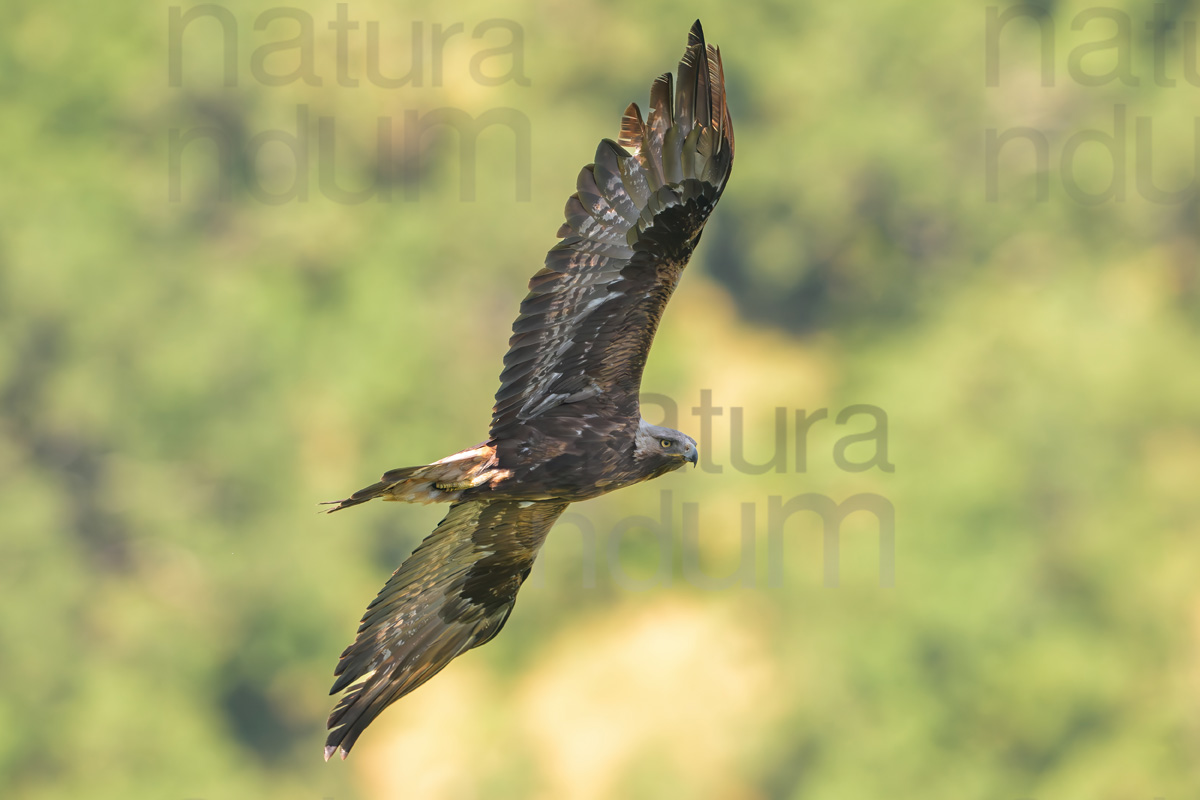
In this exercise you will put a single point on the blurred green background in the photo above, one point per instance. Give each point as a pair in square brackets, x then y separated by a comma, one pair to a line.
[183, 379]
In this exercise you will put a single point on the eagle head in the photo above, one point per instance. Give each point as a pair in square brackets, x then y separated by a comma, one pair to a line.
[659, 450]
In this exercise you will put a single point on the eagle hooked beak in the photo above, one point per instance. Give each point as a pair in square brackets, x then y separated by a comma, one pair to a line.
[693, 456]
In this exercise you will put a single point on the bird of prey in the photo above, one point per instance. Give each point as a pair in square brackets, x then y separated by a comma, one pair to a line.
[566, 425]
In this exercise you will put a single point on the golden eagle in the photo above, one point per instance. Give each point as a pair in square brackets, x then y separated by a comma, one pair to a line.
[566, 424]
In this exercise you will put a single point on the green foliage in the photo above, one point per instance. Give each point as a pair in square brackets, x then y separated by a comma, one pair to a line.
[183, 380]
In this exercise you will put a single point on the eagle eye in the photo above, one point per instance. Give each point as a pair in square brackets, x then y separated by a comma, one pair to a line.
[665, 443]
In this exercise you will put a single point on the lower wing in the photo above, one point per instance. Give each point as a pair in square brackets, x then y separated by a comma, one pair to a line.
[453, 593]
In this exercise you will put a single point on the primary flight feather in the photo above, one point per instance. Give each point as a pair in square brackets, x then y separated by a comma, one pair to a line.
[566, 424]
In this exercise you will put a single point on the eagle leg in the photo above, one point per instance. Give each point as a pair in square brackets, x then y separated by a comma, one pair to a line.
[455, 486]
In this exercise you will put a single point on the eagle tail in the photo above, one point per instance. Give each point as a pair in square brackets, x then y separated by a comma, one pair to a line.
[442, 481]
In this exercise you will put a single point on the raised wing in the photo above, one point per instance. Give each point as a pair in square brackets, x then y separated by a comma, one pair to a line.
[453, 593]
[586, 326]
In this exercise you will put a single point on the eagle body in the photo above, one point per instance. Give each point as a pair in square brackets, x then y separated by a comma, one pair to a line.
[566, 425]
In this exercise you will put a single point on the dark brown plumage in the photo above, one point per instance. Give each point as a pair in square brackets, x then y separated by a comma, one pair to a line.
[566, 424]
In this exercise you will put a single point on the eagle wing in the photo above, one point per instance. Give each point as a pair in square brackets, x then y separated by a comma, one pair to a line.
[585, 328]
[453, 593]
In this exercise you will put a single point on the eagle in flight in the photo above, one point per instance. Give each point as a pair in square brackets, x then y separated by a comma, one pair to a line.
[566, 425]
